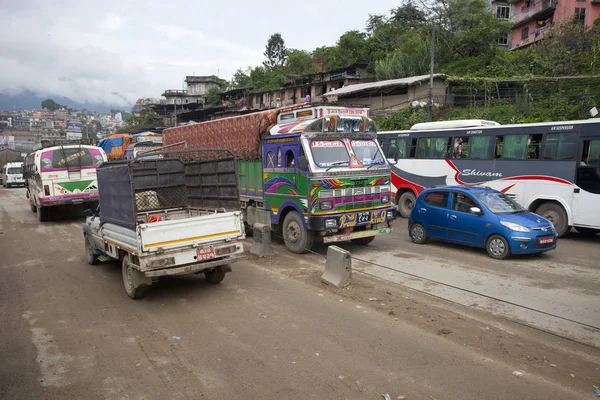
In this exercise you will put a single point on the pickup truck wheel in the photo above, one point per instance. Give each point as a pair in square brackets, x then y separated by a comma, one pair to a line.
[215, 275]
[297, 239]
[130, 289]
[91, 258]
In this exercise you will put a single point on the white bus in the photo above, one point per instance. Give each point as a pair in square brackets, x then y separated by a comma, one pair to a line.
[553, 168]
[63, 175]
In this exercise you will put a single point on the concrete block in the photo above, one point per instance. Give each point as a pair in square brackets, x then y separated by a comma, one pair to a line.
[261, 246]
[338, 267]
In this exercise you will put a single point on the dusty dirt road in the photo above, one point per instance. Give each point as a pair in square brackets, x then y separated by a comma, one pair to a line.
[271, 330]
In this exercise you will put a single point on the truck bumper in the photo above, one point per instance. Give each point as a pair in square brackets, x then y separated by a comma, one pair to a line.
[356, 235]
[193, 268]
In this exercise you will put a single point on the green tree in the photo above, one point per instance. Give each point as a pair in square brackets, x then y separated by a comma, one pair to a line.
[241, 78]
[275, 52]
[51, 105]
[299, 62]
[213, 96]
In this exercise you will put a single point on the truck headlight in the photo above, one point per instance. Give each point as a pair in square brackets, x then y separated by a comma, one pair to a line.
[330, 223]
[390, 215]
[385, 198]
[326, 205]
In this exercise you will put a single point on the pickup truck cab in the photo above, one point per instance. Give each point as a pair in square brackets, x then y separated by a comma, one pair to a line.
[155, 220]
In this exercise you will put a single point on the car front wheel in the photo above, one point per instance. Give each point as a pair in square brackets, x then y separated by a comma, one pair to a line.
[497, 247]
[418, 233]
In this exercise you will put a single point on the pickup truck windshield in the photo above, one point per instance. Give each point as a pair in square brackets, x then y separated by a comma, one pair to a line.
[367, 152]
[327, 153]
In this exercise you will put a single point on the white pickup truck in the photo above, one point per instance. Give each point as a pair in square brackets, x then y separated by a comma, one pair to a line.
[165, 217]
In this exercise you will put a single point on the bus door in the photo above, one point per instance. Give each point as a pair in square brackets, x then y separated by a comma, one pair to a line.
[587, 193]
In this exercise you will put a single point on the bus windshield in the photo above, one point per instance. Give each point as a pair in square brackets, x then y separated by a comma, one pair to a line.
[329, 153]
[499, 203]
[367, 152]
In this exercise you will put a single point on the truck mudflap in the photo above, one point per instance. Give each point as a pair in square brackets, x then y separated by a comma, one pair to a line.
[355, 235]
[194, 268]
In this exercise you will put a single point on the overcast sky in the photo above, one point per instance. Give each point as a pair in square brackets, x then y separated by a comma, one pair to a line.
[86, 50]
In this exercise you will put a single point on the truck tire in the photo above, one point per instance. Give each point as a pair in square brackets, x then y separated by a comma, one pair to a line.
[91, 258]
[42, 214]
[406, 203]
[215, 275]
[557, 216]
[363, 241]
[297, 239]
[128, 271]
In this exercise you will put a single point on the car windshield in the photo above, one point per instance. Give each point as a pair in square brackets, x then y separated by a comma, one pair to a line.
[499, 203]
[328, 153]
[367, 152]
[15, 170]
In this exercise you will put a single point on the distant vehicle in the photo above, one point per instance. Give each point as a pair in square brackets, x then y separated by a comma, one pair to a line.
[63, 175]
[12, 174]
[552, 168]
[170, 216]
[480, 217]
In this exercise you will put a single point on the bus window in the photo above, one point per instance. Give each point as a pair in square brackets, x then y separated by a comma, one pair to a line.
[560, 146]
[480, 148]
[511, 147]
[591, 153]
[460, 148]
[401, 148]
[433, 147]
[534, 147]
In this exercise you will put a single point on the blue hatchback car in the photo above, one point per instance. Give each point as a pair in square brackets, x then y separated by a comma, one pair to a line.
[481, 217]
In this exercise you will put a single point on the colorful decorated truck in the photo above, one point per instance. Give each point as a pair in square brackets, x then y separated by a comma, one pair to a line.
[317, 174]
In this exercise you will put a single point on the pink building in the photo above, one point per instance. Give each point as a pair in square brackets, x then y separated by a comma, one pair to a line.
[535, 19]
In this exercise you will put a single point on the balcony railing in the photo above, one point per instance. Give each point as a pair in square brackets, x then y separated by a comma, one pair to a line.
[532, 11]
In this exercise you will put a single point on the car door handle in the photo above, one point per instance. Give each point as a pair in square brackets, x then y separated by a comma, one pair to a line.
[453, 216]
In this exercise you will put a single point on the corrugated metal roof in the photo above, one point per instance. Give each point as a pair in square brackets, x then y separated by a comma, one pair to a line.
[411, 80]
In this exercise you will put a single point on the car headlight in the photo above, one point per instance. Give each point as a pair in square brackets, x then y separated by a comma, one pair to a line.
[514, 227]
[326, 205]
[385, 198]
[330, 223]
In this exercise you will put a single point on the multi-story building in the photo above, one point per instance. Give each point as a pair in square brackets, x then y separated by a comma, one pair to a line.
[502, 10]
[197, 88]
[535, 19]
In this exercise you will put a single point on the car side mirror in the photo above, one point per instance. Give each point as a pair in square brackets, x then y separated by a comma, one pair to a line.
[302, 162]
[475, 210]
[88, 213]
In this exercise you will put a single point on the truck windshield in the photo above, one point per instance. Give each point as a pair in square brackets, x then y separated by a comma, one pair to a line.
[367, 152]
[328, 153]
[499, 203]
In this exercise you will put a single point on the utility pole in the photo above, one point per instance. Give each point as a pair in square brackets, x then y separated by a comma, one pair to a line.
[175, 111]
[431, 70]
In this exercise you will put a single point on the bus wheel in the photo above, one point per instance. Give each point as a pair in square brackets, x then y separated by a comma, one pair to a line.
[297, 239]
[556, 215]
[406, 202]
[42, 214]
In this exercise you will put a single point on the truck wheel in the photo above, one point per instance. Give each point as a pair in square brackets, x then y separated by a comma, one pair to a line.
[42, 214]
[215, 275]
[297, 239]
[556, 215]
[406, 203]
[91, 258]
[363, 241]
[128, 271]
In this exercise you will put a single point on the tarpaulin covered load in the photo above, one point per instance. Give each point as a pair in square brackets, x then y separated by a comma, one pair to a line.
[114, 145]
[241, 134]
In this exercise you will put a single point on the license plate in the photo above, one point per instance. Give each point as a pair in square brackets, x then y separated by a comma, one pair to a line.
[364, 217]
[546, 240]
[206, 253]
